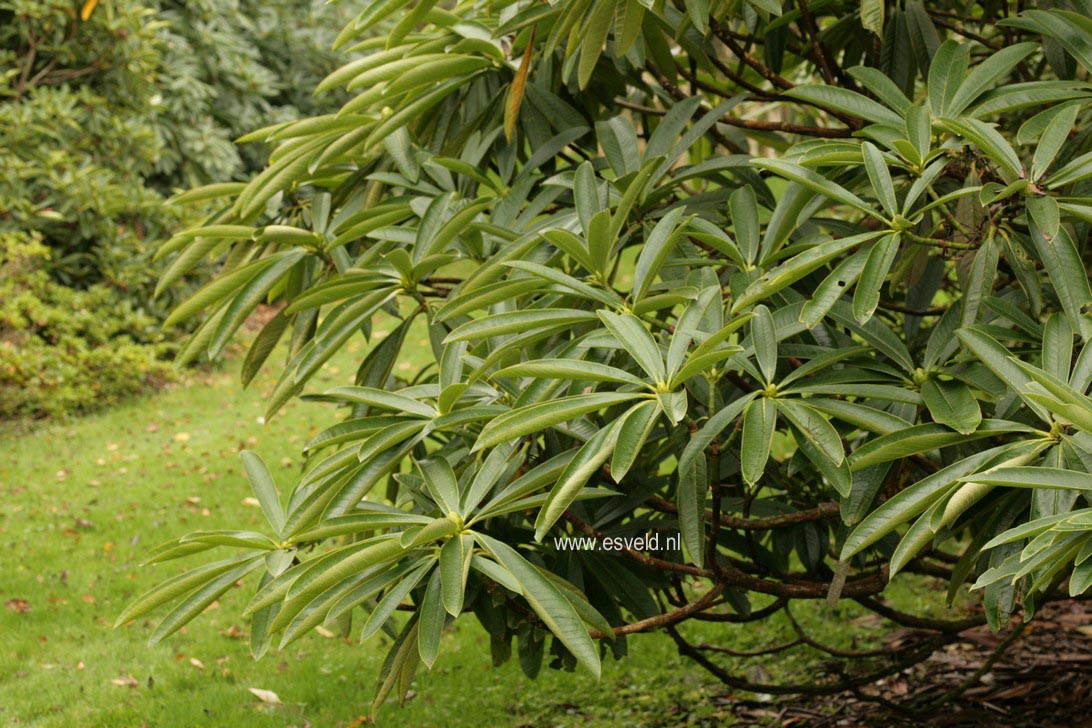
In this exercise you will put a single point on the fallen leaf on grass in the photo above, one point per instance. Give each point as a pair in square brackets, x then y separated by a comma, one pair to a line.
[266, 696]
[18, 605]
[126, 681]
[197, 663]
[87, 9]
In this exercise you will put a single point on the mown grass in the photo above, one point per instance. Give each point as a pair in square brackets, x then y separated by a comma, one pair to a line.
[82, 502]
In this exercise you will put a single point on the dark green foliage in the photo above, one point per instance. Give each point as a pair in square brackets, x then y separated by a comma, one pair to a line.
[100, 119]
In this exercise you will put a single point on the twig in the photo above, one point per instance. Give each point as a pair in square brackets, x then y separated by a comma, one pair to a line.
[898, 308]
[946, 626]
[908, 658]
[820, 512]
[813, 31]
[664, 620]
[681, 95]
[755, 616]
[748, 653]
[762, 69]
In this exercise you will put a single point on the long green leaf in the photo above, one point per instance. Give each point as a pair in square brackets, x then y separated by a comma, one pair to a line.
[759, 425]
[588, 460]
[538, 417]
[548, 602]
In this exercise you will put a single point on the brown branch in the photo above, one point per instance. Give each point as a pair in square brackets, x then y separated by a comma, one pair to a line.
[908, 658]
[42, 73]
[67, 75]
[749, 124]
[861, 587]
[821, 512]
[961, 30]
[681, 95]
[805, 638]
[738, 79]
[667, 619]
[739, 381]
[639, 107]
[762, 69]
[924, 568]
[947, 626]
[757, 94]
[813, 32]
[748, 653]
[898, 308]
[787, 128]
[755, 616]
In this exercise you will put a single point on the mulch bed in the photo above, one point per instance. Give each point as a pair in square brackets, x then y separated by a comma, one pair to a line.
[1043, 680]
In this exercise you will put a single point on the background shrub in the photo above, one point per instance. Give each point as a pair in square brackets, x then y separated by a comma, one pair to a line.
[230, 67]
[64, 349]
[100, 118]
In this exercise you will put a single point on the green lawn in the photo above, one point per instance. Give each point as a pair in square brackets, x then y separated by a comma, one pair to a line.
[82, 502]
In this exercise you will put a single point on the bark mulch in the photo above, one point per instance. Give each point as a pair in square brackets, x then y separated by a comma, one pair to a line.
[1043, 680]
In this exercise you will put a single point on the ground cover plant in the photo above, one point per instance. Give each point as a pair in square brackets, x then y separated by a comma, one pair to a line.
[803, 285]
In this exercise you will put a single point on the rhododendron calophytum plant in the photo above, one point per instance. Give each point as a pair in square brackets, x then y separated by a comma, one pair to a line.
[801, 284]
